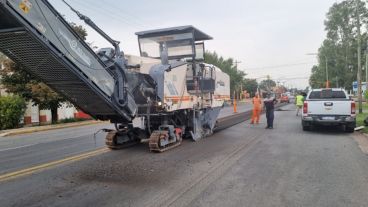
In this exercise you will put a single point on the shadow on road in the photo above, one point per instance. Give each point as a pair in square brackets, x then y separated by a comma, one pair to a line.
[328, 130]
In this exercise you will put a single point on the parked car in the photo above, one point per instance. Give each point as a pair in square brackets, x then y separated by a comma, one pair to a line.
[330, 106]
[292, 99]
[284, 99]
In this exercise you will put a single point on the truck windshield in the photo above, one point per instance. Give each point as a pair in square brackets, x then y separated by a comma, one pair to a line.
[178, 46]
[327, 94]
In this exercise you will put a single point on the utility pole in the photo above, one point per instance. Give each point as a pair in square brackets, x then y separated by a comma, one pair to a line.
[327, 81]
[241, 86]
[236, 64]
[359, 74]
[366, 69]
[337, 82]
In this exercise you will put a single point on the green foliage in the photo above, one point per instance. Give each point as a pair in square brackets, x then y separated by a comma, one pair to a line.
[80, 30]
[18, 81]
[366, 95]
[229, 67]
[11, 111]
[360, 121]
[338, 51]
[71, 120]
[237, 77]
[15, 79]
[267, 84]
[251, 86]
[317, 79]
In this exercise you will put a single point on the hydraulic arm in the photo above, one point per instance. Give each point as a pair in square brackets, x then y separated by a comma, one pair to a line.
[166, 94]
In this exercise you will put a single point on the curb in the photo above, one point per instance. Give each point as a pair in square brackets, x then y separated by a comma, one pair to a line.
[28, 130]
[362, 141]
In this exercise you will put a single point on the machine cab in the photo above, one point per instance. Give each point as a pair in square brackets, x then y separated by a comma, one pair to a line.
[184, 44]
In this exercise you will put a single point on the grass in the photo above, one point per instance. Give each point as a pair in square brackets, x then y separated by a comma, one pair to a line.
[360, 121]
[364, 106]
[360, 117]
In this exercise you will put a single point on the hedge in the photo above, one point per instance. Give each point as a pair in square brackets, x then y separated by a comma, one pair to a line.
[12, 109]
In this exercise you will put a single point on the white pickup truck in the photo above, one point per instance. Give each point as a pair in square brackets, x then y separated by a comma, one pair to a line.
[328, 106]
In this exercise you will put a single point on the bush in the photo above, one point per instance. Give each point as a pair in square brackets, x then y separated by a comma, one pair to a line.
[12, 109]
[70, 120]
[366, 95]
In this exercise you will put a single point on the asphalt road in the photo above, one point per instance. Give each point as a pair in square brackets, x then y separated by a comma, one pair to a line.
[245, 165]
[22, 151]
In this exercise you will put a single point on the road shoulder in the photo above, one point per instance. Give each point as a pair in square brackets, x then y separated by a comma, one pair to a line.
[26, 130]
[362, 141]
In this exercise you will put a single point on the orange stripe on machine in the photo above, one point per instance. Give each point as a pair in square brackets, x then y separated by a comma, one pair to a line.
[176, 99]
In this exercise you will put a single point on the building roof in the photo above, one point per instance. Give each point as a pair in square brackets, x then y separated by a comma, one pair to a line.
[198, 34]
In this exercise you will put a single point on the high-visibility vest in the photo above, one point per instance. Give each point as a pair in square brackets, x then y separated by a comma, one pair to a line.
[299, 100]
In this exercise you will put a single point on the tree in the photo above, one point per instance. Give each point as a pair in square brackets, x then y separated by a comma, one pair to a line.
[18, 81]
[251, 86]
[80, 30]
[315, 78]
[229, 67]
[339, 50]
[267, 84]
[11, 111]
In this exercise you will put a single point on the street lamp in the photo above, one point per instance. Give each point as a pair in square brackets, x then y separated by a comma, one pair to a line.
[327, 81]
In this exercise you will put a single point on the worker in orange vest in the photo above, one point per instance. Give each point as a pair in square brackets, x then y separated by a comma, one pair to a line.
[257, 107]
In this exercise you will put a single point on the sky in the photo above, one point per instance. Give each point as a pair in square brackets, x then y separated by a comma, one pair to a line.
[267, 37]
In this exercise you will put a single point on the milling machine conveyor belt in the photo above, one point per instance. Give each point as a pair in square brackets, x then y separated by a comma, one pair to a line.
[34, 35]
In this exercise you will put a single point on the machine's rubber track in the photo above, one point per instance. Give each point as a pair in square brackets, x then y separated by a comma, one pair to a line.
[155, 138]
[111, 142]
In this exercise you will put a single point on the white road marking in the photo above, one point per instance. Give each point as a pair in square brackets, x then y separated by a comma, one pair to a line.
[19, 147]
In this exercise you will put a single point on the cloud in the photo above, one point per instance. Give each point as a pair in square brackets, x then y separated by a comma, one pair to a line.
[257, 33]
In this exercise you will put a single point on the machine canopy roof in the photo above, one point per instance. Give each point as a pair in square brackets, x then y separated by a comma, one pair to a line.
[198, 34]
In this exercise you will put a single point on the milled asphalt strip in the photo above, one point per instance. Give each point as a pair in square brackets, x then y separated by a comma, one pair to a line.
[38, 168]
[182, 196]
[27, 171]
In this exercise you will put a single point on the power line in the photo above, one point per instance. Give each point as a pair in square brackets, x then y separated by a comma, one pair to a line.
[62, 44]
[280, 79]
[236, 64]
[293, 78]
[103, 12]
[115, 14]
[280, 66]
[134, 17]
[98, 10]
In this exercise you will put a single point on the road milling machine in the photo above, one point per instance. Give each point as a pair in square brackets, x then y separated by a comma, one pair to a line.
[160, 97]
